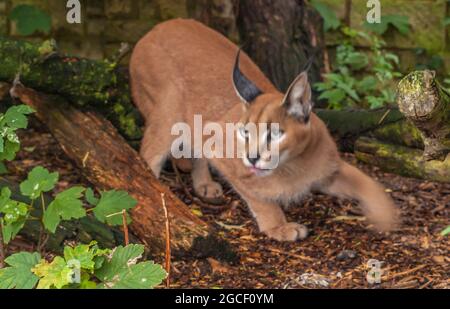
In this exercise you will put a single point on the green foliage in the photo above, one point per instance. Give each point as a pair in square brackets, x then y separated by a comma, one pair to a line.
[18, 274]
[39, 180]
[13, 215]
[66, 205]
[343, 88]
[446, 231]
[82, 266]
[13, 119]
[123, 272]
[398, 22]
[110, 206]
[30, 19]
[330, 20]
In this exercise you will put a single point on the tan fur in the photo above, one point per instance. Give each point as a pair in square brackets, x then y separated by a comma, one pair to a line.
[182, 68]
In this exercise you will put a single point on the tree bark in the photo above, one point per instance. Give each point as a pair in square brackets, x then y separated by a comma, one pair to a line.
[87, 83]
[423, 101]
[84, 230]
[109, 162]
[401, 160]
[280, 36]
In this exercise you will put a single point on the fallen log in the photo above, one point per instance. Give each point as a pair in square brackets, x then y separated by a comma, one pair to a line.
[88, 83]
[348, 125]
[108, 162]
[427, 105]
[84, 230]
[401, 160]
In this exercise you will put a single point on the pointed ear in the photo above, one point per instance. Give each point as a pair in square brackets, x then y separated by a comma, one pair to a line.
[245, 88]
[297, 100]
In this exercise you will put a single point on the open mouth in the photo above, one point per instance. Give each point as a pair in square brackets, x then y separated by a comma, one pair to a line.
[259, 171]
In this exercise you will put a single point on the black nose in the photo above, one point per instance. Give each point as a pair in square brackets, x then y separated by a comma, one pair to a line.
[253, 160]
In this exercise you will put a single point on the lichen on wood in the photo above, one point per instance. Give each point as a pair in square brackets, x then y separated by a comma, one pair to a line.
[423, 101]
[401, 160]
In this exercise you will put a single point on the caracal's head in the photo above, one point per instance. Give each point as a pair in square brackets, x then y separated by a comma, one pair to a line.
[274, 128]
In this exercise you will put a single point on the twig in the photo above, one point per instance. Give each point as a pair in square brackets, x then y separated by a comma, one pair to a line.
[299, 256]
[390, 277]
[168, 254]
[125, 227]
[384, 116]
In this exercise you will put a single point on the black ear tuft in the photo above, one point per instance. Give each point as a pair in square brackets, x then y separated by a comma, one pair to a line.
[245, 89]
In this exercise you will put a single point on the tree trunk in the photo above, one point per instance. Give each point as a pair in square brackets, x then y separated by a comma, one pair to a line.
[84, 230]
[109, 162]
[280, 36]
[83, 82]
[401, 160]
[423, 101]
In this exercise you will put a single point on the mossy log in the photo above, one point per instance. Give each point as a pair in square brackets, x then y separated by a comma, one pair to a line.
[108, 162]
[427, 105]
[401, 160]
[94, 84]
[84, 230]
[348, 125]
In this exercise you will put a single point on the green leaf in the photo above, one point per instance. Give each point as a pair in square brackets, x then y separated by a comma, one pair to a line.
[111, 205]
[66, 206]
[10, 230]
[9, 150]
[56, 274]
[84, 254]
[19, 275]
[399, 22]
[90, 197]
[334, 95]
[15, 116]
[39, 180]
[14, 216]
[368, 83]
[30, 19]
[121, 271]
[145, 275]
[331, 22]
[446, 231]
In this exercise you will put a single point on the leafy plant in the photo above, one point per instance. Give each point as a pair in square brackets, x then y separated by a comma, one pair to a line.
[82, 266]
[11, 121]
[398, 22]
[343, 88]
[30, 19]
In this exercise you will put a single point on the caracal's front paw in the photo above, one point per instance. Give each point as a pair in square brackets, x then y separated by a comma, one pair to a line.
[288, 232]
[210, 192]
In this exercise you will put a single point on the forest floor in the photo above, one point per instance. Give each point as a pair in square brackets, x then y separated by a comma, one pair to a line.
[334, 255]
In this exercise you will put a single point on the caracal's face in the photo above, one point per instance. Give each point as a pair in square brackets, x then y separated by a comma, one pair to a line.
[268, 137]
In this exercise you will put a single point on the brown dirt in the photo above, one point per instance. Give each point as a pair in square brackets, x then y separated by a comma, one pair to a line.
[334, 255]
